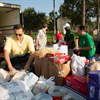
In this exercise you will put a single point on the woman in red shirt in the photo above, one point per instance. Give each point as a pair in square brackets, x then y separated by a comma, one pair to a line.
[58, 35]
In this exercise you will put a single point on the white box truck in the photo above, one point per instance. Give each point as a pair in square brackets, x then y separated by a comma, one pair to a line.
[10, 15]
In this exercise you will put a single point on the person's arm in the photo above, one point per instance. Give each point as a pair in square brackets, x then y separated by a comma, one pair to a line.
[37, 45]
[62, 37]
[71, 37]
[7, 59]
[55, 37]
[69, 43]
[36, 41]
[83, 48]
[27, 66]
[32, 51]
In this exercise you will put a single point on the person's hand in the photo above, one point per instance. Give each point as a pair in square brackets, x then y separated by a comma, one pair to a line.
[12, 72]
[77, 48]
[37, 48]
[27, 67]
[11, 68]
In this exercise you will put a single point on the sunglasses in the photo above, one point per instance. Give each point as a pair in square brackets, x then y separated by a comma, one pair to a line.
[18, 34]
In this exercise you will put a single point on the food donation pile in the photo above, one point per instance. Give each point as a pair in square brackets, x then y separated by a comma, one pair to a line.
[57, 77]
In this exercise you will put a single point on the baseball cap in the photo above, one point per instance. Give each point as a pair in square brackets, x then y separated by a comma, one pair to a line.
[45, 25]
[66, 25]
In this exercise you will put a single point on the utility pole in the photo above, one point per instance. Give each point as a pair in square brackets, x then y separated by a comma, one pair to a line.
[97, 20]
[61, 19]
[54, 17]
[61, 9]
[83, 13]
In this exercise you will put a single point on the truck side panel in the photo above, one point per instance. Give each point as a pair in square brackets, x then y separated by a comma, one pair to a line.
[8, 20]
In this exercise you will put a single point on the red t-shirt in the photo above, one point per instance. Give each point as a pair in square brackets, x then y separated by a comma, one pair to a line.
[58, 35]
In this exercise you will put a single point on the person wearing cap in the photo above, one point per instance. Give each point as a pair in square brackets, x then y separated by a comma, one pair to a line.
[69, 38]
[86, 43]
[41, 37]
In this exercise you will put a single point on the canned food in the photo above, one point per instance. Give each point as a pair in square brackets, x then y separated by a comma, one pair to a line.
[57, 92]
[42, 96]
[71, 96]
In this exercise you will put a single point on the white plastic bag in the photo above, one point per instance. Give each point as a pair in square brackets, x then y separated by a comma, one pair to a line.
[43, 85]
[4, 76]
[19, 76]
[39, 88]
[13, 72]
[78, 65]
[47, 81]
[15, 91]
[30, 79]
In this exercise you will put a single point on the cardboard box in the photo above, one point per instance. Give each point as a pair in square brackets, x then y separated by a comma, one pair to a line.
[59, 59]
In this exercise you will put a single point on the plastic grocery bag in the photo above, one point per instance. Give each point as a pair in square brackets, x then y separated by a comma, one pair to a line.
[92, 65]
[19, 76]
[47, 81]
[39, 88]
[42, 52]
[30, 79]
[4, 76]
[15, 91]
[78, 65]
[43, 85]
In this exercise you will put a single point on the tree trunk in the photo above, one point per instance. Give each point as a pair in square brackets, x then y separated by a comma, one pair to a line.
[83, 13]
[97, 20]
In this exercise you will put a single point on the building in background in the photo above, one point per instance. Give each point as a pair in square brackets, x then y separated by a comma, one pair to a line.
[62, 21]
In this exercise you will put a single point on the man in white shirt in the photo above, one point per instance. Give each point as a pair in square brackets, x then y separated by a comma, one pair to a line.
[41, 37]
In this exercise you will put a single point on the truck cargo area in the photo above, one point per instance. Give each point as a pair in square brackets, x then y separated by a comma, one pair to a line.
[10, 14]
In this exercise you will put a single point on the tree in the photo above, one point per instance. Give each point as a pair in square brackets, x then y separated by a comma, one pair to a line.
[51, 23]
[98, 20]
[29, 18]
[32, 20]
[72, 9]
[40, 18]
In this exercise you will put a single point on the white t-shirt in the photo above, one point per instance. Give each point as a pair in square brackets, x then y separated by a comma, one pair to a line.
[42, 38]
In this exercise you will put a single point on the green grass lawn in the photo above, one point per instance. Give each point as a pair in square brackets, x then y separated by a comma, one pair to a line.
[50, 35]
